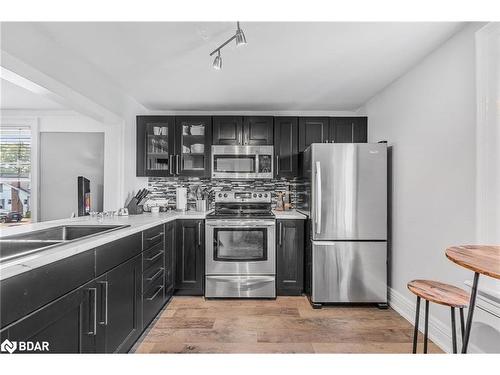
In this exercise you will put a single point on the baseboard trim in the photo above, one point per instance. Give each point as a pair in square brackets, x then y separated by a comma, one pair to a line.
[439, 332]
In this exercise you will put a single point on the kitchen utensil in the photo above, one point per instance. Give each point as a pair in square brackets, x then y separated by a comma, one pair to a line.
[197, 148]
[201, 205]
[156, 130]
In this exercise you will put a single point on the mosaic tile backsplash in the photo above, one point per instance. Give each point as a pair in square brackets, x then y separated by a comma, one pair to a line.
[163, 189]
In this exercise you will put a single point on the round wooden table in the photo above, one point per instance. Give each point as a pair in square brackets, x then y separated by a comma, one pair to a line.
[482, 259]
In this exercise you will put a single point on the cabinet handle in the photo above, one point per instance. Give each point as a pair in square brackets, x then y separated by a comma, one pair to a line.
[154, 237]
[277, 164]
[199, 233]
[155, 256]
[105, 322]
[177, 163]
[154, 295]
[171, 166]
[246, 138]
[94, 324]
[281, 233]
[155, 275]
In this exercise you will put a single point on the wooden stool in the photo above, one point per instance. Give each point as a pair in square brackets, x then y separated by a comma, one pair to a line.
[443, 294]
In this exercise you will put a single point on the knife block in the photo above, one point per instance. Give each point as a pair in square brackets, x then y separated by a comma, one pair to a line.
[134, 208]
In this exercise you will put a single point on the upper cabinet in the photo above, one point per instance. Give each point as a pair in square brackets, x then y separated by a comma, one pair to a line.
[286, 144]
[237, 130]
[348, 129]
[194, 141]
[155, 145]
[313, 130]
[173, 146]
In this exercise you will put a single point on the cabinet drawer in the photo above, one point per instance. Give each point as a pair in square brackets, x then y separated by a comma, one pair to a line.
[152, 236]
[153, 276]
[152, 302]
[151, 256]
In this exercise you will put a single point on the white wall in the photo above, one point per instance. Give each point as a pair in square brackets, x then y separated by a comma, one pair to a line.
[428, 116]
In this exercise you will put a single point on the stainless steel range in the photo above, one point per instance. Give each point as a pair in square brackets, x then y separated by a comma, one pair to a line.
[240, 259]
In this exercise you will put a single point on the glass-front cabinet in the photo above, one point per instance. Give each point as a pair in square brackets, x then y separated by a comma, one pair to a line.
[173, 146]
[194, 137]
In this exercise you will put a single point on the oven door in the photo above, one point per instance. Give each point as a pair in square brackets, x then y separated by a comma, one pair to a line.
[235, 247]
[242, 161]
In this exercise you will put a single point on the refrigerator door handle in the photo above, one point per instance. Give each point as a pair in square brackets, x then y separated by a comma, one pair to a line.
[318, 197]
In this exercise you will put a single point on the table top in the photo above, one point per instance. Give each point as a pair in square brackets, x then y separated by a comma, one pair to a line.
[483, 259]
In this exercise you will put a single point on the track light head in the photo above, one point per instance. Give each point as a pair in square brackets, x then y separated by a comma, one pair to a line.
[240, 37]
[217, 62]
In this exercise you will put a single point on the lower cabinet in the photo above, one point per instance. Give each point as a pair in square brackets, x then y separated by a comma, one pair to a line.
[63, 324]
[290, 257]
[170, 244]
[190, 257]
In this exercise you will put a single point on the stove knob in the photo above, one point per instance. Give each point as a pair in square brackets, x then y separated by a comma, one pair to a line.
[265, 195]
[220, 195]
[254, 195]
[225, 195]
[260, 195]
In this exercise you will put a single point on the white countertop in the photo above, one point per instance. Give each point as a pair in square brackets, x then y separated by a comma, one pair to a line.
[291, 214]
[137, 223]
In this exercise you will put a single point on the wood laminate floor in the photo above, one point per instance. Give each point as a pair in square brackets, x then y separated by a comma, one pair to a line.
[284, 325]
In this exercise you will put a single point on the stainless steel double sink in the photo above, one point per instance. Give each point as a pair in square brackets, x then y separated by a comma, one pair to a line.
[23, 244]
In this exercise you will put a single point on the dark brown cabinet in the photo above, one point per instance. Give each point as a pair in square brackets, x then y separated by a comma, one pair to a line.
[170, 246]
[190, 257]
[65, 324]
[290, 257]
[348, 130]
[173, 146]
[237, 130]
[286, 144]
[313, 130]
[155, 150]
[193, 145]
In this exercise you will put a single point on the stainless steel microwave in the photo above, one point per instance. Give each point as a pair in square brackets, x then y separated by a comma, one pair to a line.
[248, 162]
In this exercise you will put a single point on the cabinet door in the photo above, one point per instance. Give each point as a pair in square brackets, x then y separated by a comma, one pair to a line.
[258, 130]
[190, 257]
[227, 130]
[65, 324]
[169, 258]
[348, 129]
[193, 145]
[290, 257]
[120, 295]
[286, 146]
[155, 150]
[312, 130]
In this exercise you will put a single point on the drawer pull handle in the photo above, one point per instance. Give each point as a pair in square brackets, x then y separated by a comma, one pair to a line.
[94, 324]
[155, 256]
[154, 295]
[106, 285]
[155, 275]
[154, 237]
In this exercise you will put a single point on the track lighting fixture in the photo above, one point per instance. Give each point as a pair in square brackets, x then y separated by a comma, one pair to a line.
[240, 41]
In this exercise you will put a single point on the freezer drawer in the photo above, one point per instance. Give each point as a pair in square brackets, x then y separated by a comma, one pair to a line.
[225, 286]
[349, 272]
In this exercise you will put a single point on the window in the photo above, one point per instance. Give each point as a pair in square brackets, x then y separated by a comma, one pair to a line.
[15, 172]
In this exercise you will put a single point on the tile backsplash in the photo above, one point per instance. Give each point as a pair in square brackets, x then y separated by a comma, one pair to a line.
[163, 188]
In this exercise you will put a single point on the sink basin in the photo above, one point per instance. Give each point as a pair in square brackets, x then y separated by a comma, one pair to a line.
[27, 243]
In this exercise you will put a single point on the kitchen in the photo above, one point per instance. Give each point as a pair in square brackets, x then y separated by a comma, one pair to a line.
[222, 220]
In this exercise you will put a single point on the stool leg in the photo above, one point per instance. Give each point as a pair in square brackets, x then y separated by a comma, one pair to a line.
[426, 325]
[462, 324]
[415, 332]
[453, 331]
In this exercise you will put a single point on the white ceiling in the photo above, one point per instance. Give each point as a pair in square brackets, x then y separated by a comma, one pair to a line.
[17, 98]
[284, 66]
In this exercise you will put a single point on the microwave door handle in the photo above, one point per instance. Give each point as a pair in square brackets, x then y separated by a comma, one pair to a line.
[318, 197]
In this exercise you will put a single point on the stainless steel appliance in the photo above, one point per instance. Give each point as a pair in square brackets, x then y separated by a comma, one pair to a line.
[240, 259]
[346, 199]
[242, 162]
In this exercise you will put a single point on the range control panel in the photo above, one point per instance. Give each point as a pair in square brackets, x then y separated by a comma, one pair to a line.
[243, 196]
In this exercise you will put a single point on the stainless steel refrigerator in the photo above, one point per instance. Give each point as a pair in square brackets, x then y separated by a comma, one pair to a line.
[345, 196]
